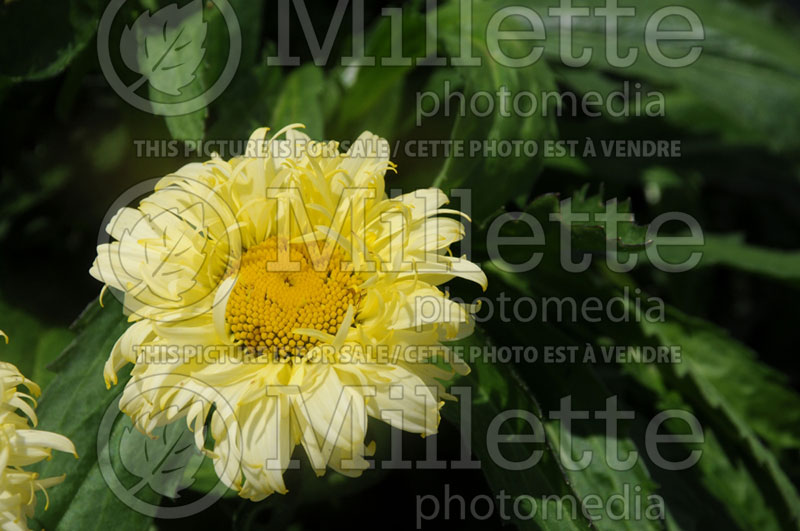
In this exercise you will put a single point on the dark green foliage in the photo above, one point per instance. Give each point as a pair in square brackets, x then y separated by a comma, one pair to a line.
[69, 151]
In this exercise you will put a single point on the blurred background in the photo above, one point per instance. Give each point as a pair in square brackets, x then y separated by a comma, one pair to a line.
[69, 150]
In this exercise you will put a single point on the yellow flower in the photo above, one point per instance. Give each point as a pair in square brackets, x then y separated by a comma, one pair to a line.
[21, 446]
[290, 284]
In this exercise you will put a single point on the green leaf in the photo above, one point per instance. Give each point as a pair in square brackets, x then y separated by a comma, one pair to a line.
[734, 395]
[372, 95]
[754, 393]
[742, 48]
[73, 405]
[496, 389]
[555, 381]
[720, 490]
[587, 230]
[730, 250]
[247, 103]
[32, 345]
[511, 176]
[628, 234]
[249, 14]
[748, 398]
[200, 476]
[300, 101]
[92, 504]
[51, 343]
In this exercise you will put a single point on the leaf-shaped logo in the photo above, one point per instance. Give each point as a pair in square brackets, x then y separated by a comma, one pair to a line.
[167, 463]
[166, 47]
[165, 242]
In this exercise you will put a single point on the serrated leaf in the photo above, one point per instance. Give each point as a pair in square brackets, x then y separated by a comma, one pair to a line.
[590, 235]
[629, 235]
[756, 394]
[747, 398]
[775, 493]
[739, 398]
[721, 479]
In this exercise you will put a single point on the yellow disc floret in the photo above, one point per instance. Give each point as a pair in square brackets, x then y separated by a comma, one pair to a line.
[280, 289]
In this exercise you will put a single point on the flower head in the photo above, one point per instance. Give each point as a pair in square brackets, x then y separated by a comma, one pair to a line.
[20, 446]
[287, 281]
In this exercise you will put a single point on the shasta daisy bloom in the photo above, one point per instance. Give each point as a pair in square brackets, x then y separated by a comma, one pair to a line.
[290, 284]
[21, 445]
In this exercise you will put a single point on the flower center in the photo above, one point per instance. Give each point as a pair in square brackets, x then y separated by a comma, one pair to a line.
[276, 294]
